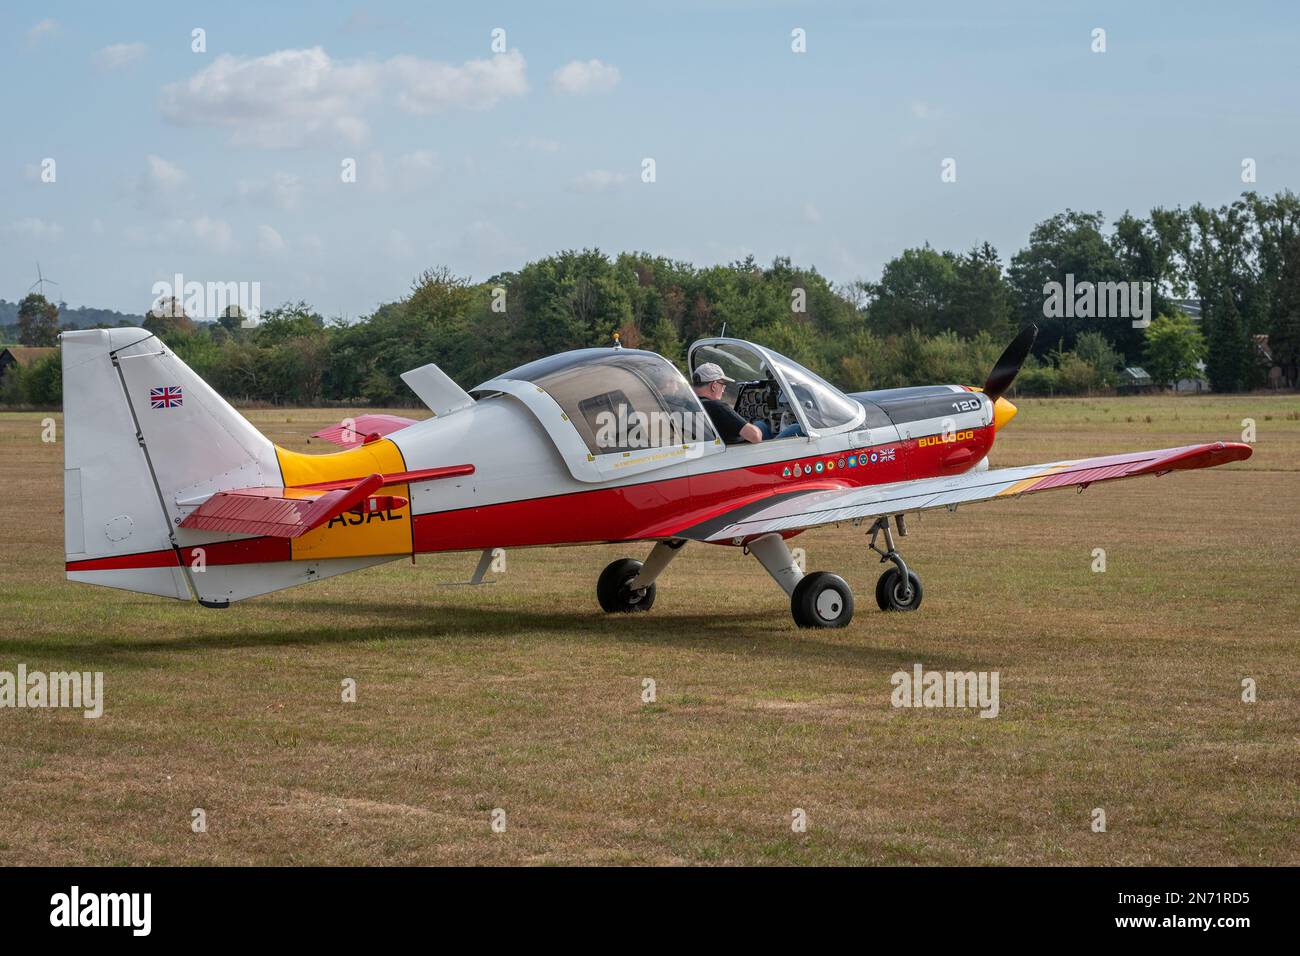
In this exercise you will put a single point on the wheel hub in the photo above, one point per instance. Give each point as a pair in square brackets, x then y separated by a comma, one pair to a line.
[829, 604]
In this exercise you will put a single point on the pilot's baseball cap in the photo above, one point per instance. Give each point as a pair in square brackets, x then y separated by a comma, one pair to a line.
[708, 373]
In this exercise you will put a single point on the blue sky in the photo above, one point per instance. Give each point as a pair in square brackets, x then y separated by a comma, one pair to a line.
[225, 165]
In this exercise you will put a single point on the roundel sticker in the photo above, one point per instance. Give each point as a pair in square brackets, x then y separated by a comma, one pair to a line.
[819, 466]
[873, 457]
[840, 463]
[830, 466]
[807, 469]
[862, 458]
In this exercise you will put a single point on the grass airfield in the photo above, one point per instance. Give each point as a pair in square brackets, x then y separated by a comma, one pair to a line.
[1120, 690]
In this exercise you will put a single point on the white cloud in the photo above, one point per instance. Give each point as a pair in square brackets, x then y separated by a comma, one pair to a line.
[420, 161]
[119, 55]
[924, 111]
[296, 97]
[578, 77]
[269, 241]
[429, 87]
[397, 245]
[37, 229]
[408, 172]
[598, 180]
[161, 176]
[282, 190]
[216, 234]
[492, 243]
[285, 98]
[41, 30]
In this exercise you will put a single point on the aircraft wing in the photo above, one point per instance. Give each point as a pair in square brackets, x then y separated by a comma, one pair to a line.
[798, 511]
[357, 431]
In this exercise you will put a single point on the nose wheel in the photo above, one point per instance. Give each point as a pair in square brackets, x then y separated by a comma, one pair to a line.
[899, 589]
[894, 592]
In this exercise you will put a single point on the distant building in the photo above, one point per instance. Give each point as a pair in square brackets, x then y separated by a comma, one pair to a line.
[1132, 380]
[1198, 384]
[24, 356]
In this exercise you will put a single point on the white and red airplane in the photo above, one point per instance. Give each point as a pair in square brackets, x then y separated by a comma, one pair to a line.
[170, 491]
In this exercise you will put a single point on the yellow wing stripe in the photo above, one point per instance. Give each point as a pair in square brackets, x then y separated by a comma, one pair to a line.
[1027, 483]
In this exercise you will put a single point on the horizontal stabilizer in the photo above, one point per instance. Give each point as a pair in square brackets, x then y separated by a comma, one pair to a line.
[363, 429]
[286, 512]
[292, 512]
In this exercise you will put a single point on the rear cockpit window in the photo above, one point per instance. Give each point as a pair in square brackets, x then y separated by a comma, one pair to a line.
[621, 400]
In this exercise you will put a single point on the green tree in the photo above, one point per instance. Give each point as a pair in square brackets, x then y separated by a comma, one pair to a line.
[1095, 349]
[980, 299]
[914, 293]
[1284, 339]
[1174, 347]
[1069, 244]
[1229, 357]
[38, 321]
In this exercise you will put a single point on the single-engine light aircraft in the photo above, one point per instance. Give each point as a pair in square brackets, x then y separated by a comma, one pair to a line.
[170, 491]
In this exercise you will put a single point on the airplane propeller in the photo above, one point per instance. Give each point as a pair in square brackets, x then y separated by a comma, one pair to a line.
[1008, 364]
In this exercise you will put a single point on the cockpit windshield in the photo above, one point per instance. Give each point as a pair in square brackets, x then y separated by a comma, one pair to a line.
[823, 405]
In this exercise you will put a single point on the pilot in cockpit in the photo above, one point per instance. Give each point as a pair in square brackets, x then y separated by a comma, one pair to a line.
[710, 382]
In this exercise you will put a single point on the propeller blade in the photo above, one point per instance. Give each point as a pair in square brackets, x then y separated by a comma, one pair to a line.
[1008, 365]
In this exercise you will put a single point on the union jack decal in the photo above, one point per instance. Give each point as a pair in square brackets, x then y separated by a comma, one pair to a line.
[166, 396]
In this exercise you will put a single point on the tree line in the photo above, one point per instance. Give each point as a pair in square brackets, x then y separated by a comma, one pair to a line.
[933, 316]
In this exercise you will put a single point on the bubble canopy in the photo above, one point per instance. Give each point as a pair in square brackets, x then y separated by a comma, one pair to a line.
[601, 387]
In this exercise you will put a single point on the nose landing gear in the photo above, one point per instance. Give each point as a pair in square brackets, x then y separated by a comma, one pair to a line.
[898, 589]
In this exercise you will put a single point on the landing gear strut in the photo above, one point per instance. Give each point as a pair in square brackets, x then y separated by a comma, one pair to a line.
[627, 585]
[898, 589]
[819, 599]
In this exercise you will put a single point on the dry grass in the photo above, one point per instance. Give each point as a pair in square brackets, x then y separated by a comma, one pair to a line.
[1119, 690]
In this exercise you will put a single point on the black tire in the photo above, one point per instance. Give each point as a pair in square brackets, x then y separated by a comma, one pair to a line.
[615, 596]
[822, 599]
[889, 591]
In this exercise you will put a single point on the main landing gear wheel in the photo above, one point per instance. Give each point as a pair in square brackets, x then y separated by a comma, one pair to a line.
[896, 593]
[822, 599]
[613, 593]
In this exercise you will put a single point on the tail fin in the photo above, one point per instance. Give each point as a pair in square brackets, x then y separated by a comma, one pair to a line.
[141, 430]
[145, 439]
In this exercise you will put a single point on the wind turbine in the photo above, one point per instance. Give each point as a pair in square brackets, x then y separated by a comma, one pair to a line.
[40, 281]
